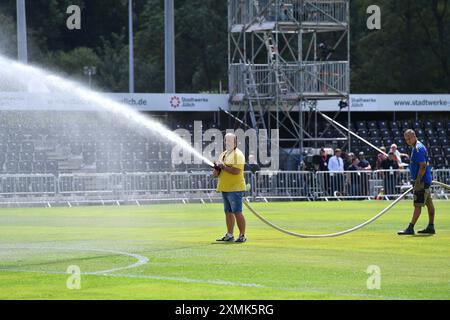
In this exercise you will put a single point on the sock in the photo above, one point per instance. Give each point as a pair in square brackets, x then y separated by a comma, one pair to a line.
[229, 234]
[431, 225]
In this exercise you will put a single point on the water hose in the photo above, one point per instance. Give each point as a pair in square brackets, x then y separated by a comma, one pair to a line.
[340, 233]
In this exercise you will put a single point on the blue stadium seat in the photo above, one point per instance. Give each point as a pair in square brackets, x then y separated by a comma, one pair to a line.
[399, 141]
[25, 167]
[382, 125]
[374, 133]
[51, 167]
[372, 125]
[28, 146]
[38, 166]
[405, 124]
[127, 155]
[26, 156]
[362, 133]
[114, 166]
[442, 133]
[388, 142]
[385, 133]
[139, 155]
[13, 147]
[114, 155]
[439, 162]
[76, 148]
[89, 146]
[444, 141]
[12, 167]
[430, 133]
[40, 156]
[439, 124]
[361, 125]
[436, 151]
[428, 124]
[3, 146]
[446, 150]
[128, 166]
[13, 156]
[101, 166]
[140, 166]
[420, 133]
[417, 125]
[101, 156]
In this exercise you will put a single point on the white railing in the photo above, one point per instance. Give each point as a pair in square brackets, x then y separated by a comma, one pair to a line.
[385, 184]
[321, 78]
[295, 11]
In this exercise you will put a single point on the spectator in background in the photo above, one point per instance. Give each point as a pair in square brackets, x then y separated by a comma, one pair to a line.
[390, 176]
[252, 165]
[335, 163]
[348, 160]
[398, 155]
[354, 177]
[364, 165]
[321, 164]
[336, 167]
[380, 158]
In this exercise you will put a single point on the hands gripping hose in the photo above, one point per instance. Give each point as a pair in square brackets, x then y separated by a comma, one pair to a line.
[300, 235]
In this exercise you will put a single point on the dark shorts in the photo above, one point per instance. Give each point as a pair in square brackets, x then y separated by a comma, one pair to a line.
[232, 201]
[422, 197]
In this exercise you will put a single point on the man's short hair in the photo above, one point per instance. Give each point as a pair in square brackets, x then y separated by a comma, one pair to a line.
[391, 153]
[337, 150]
[409, 131]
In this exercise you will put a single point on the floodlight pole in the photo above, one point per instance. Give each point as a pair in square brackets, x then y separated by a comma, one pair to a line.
[131, 46]
[169, 33]
[22, 49]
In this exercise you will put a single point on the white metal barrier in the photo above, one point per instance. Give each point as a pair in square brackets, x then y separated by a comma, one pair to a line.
[185, 186]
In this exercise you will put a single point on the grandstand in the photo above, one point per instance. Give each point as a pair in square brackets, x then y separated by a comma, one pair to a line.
[73, 142]
[296, 56]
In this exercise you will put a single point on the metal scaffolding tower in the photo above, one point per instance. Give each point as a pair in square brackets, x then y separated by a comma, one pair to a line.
[284, 56]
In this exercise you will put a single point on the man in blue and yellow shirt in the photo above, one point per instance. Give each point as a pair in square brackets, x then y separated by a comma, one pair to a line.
[230, 171]
[422, 178]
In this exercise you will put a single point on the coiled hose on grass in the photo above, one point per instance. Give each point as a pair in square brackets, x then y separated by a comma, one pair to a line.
[340, 233]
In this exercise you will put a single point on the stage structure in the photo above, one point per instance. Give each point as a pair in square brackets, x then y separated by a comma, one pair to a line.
[284, 56]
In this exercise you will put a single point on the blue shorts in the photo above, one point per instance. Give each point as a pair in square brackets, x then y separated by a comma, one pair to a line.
[232, 201]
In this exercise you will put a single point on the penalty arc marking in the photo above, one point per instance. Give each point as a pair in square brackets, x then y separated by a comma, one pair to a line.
[141, 260]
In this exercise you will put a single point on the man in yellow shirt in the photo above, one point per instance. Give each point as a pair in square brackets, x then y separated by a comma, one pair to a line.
[230, 171]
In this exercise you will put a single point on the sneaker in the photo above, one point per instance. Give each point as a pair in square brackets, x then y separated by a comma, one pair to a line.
[226, 237]
[407, 231]
[427, 230]
[241, 238]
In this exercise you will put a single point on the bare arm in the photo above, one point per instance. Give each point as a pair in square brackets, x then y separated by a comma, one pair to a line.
[231, 170]
[228, 169]
[422, 170]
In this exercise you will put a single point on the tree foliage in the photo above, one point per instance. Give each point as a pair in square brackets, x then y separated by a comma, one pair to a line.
[410, 54]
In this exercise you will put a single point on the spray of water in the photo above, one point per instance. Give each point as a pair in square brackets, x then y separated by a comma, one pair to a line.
[33, 77]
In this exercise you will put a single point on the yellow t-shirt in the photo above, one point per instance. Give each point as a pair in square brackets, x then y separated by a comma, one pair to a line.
[232, 182]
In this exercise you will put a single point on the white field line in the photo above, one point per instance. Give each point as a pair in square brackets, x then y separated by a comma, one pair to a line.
[141, 260]
[219, 282]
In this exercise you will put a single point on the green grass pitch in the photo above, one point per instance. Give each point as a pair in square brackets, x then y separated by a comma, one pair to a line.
[184, 261]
